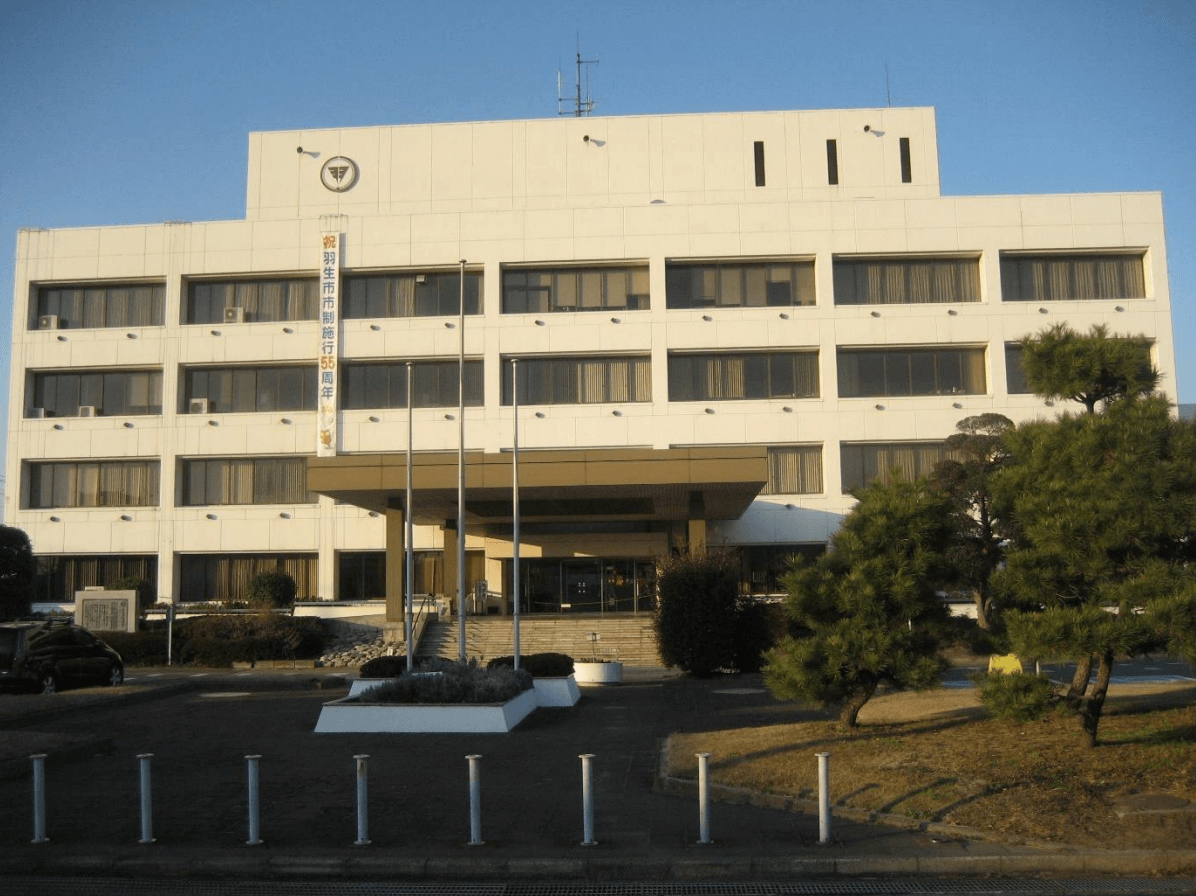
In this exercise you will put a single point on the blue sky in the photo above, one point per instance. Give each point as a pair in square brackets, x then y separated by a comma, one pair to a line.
[137, 111]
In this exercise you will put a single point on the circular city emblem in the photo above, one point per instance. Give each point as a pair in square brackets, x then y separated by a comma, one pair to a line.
[339, 174]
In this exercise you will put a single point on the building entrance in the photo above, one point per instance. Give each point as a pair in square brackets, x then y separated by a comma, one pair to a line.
[588, 586]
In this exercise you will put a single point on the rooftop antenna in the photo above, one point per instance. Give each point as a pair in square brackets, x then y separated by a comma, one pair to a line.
[580, 107]
[888, 96]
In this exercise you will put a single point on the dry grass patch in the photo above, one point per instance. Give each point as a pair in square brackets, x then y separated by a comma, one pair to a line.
[935, 756]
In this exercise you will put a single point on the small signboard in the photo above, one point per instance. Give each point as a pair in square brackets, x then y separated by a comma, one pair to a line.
[106, 611]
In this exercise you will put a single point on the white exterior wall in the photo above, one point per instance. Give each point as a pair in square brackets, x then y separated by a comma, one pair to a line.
[651, 188]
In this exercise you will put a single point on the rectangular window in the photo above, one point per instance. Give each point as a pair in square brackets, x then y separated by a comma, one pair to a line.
[545, 290]
[879, 372]
[207, 577]
[907, 172]
[60, 576]
[832, 162]
[1015, 373]
[758, 150]
[763, 566]
[866, 462]
[411, 294]
[729, 376]
[385, 385]
[580, 380]
[794, 470]
[728, 284]
[236, 301]
[97, 305]
[231, 390]
[1086, 277]
[245, 480]
[112, 393]
[113, 483]
[898, 280]
[361, 575]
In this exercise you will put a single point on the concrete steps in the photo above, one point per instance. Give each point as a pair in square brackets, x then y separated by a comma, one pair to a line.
[629, 638]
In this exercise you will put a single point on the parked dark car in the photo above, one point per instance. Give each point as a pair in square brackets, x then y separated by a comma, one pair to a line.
[47, 656]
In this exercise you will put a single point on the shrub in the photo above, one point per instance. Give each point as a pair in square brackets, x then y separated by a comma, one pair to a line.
[384, 667]
[1020, 697]
[696, 614]
[143, 587]
[451, 683]
[221, 640]
[147, 648]
[271, 590]
[759, 627]
[537, 665]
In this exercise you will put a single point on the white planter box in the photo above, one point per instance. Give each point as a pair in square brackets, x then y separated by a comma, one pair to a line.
[347, 716]
[597, 673]
[556, 691]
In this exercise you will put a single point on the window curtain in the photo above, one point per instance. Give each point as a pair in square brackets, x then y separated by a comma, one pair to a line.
[795, 470]
[805, 375]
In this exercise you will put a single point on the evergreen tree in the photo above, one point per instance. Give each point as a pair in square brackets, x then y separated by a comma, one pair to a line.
[977, 545]
[18, 568]
[1103, 513]
[868, 610]
[1061, 363]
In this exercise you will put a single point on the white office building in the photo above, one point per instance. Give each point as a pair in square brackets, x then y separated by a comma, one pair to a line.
[722, 323]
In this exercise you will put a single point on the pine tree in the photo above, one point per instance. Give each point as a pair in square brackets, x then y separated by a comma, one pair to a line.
[1061, 363]
[1103, 508]
[868, 610]
[977, 545]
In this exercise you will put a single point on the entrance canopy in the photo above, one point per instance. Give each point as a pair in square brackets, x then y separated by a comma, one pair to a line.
[606, 484]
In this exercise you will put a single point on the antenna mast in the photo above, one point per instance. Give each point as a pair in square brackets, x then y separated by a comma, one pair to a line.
[580, 107]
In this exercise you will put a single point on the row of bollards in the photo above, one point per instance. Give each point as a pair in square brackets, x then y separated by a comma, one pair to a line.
[475, 799]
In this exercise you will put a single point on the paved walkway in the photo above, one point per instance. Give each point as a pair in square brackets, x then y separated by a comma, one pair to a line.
[200, 729]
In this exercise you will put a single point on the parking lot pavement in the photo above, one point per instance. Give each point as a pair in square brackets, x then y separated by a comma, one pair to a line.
[200, 730]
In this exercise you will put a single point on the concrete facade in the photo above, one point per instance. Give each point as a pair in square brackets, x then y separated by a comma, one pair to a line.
[717, 192]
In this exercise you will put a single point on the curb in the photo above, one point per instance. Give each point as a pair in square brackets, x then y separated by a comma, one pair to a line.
[362, 866]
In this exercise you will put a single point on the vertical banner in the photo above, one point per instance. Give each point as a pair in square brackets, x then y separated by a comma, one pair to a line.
[330, 269]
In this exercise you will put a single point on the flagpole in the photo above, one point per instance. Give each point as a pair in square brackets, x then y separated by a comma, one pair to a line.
[461, 470]
[515, 501]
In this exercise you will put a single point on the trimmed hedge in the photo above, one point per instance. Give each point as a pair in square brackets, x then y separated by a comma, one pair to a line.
[221, 640]
[383, 667]
[452, 683]
[537, 665]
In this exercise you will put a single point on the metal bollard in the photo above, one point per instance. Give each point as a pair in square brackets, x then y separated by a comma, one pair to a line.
[475, 801]
[824, 798]
[254, 804]
[363, 837]
[147, 812]
[703, 799]
[39, 798]
[587, 799]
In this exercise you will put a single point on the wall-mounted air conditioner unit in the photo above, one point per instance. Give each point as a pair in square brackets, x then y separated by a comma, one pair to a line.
[88, 410]
[47, 322]
[234, 315]
[199, 406]
[36, 413]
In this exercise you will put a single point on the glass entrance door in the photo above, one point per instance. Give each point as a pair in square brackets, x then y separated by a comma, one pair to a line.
[582, 586]
[588, 586]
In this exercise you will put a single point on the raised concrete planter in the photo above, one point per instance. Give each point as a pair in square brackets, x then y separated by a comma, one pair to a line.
[597, 673]
[348, 716]
[556, 691]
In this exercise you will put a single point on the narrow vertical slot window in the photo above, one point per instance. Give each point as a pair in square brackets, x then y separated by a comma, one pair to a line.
[907, 174]
[759, 149]
[832, 162]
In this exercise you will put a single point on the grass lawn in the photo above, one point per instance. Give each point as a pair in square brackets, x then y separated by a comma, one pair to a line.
[936, 756]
